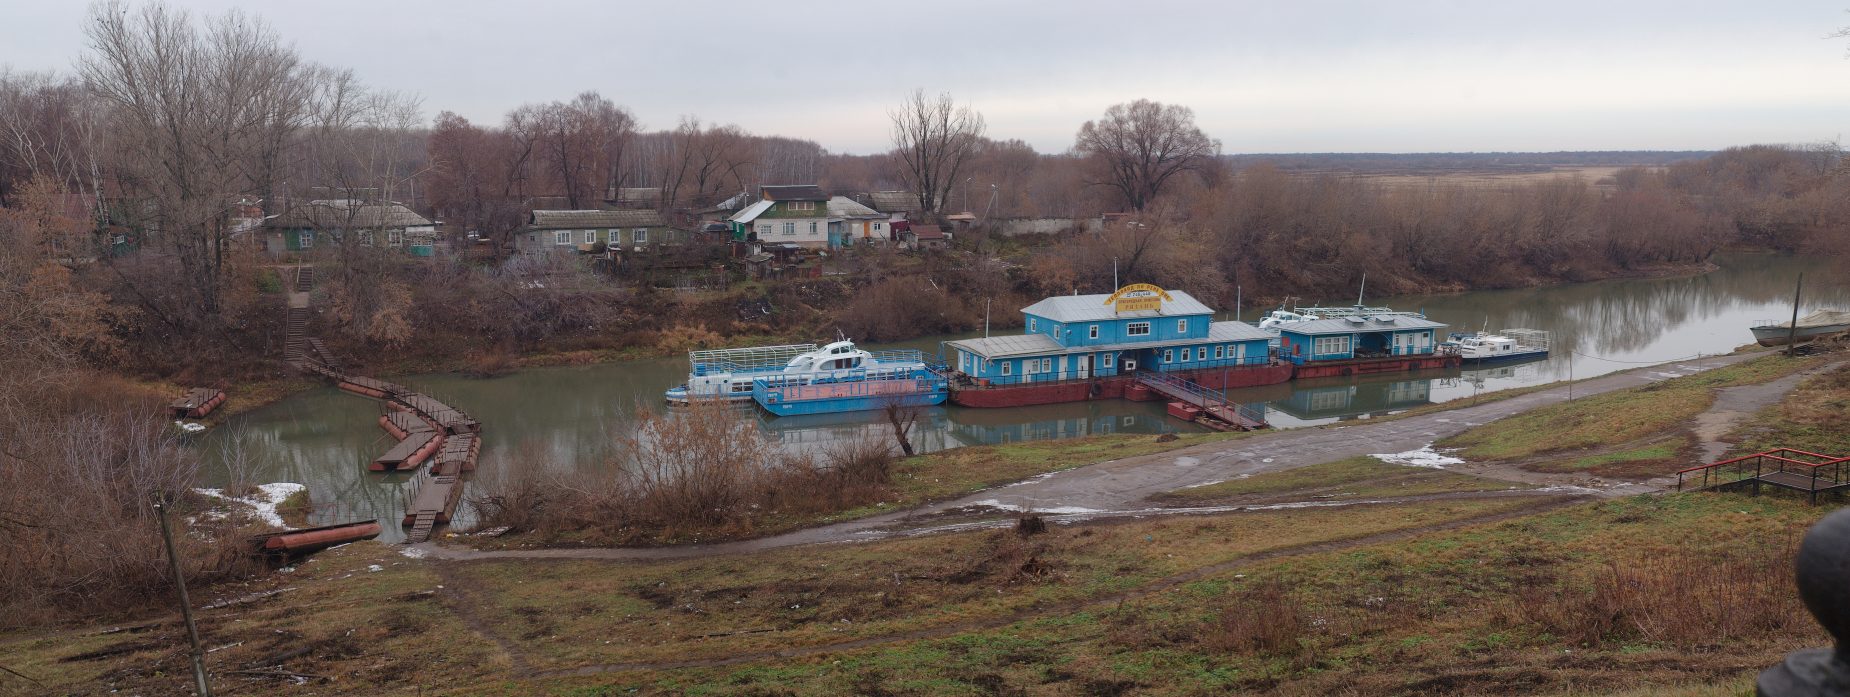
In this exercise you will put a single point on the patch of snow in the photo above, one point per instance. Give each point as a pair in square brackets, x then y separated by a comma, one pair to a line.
[1212, 483]
[374, 568]
[1266, 460]
[263, 505]
[1424, 457]
[1051, 510]
[1187, 461]
[189, 427]
[414, 552]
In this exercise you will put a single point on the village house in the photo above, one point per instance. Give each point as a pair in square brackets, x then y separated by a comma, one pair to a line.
[785, 215]
[923, 237]
[1140, 327]
[386, 224]
[852, 223]
[903, 204]
[549, 232]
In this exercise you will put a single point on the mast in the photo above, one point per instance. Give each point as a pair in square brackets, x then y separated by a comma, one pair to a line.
[1363, 289]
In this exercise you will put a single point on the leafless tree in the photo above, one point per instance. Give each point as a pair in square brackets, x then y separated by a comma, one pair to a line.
[194, 111]
[933, 139]
[1139, 147]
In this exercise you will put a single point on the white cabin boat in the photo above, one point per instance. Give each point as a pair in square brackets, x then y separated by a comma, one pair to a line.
[1508, 345]
[728, 373]
[1813, 326]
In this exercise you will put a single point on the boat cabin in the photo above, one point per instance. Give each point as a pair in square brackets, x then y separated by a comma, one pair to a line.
[1140, 327]
[1345, 338]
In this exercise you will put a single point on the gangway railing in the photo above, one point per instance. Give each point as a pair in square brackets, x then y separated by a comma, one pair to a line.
[1207, 397]
[745, 360]
[1356, 311]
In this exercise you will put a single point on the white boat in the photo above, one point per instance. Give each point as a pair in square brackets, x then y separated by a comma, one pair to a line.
[1817, 324]
[1281, 316]
[728, 373]
[1508, 345]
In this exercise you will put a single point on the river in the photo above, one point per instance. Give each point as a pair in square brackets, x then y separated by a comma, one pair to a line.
[566, 417]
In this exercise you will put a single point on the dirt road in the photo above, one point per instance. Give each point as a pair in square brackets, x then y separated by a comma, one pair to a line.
[1120, 487]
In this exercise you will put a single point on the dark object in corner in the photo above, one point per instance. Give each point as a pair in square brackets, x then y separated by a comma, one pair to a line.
[1030, 525]
[1824, 584]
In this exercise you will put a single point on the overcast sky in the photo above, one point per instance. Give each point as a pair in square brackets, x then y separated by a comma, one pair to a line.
[1400, 76]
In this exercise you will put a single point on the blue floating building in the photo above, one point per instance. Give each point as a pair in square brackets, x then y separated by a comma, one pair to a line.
[1363, 344]
[1084, 338]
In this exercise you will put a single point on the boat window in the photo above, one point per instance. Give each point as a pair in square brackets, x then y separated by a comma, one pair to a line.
[1169, 356]
[1137, 329]
[1108, 358]
[1092, 332]
[1182, 326]
[1005, 367]
[1030, 324]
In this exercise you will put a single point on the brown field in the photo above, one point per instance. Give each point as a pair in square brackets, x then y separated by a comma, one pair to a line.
[1596, 176]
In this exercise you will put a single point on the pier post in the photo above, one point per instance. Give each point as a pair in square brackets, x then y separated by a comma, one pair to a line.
[1823, 576]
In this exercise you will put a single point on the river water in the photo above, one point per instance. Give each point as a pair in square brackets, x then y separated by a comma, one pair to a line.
[566, 417]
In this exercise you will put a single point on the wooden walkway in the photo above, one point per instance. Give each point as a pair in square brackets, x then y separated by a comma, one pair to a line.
[1215, 411]
[1782, 468]
[449, 437]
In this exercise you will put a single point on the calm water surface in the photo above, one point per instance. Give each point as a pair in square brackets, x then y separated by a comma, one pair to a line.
[566, 417]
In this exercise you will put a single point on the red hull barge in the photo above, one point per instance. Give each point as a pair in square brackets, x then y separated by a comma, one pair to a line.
[1369, 366]
[1114, 387]
[303, 541]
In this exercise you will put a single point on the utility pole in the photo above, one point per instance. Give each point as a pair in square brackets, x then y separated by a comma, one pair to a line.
[986, 318]
[1236, 303]
[186, 605]
[1792, 330]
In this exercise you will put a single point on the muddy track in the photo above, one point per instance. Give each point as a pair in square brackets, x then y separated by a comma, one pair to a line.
[461, 601]
[1542, 504]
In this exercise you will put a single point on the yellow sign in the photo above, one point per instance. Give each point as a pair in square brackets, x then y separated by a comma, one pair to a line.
[1138, 297]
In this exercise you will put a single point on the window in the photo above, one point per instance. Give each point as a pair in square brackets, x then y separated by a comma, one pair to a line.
[615, 237]
[741, 386]
[1137, 329]
[812, 227]
[1218, 352]
[799, 205]
[877, 226]
[1092, 332]
[307, 238]
[1046, 365]
[1181, 326]
[1031, 324]
[790, 229]
[590, 237]
[562, 237]
[640, 235]
[1108, 359]
[764, 229]
[395, 238]
[1169, 356]
[1330, 344]
[366, 238]
[1006, 365]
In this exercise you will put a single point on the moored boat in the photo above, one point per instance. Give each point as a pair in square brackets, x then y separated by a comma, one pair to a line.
[1810, 327]
[1507, 345]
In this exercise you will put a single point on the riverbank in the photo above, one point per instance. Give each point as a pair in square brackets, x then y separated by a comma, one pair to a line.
[1365, 575]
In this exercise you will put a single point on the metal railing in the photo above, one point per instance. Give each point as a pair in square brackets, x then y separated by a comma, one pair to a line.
[1207, 398]
[1820, 472]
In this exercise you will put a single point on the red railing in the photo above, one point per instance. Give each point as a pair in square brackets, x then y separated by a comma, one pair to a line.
[1828, 470]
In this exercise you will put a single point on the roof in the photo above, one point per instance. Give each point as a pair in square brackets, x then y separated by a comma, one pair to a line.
[793, 192]
[751, 213]
[1343, 325]
[1236, 331]
[844, 207]
[928, 232]
[1006, 346]
[572, 220]
[964, 217]
[347, 214]
[894, 201]
[1089, 308]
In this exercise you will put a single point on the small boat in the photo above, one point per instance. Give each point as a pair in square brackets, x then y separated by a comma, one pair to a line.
[1508, 345]
[1810, 327]
[1282, 316]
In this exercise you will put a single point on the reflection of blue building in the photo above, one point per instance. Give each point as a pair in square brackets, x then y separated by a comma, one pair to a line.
[1084, 336]
[1349, 399]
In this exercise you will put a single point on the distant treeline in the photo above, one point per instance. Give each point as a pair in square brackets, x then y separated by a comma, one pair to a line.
[1373, 162]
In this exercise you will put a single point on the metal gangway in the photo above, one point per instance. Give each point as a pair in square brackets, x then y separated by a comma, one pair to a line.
[1211, 403]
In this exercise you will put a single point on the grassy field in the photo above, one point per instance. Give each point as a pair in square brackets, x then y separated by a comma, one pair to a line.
[1616, 418]
[1812, 418]
[1680, 594]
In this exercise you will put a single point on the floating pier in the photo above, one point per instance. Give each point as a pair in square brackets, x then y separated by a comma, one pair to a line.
[1193, 402]
[196, 403]
[426, 429]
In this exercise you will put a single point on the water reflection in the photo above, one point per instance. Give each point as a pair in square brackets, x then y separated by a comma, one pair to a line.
[569, 417]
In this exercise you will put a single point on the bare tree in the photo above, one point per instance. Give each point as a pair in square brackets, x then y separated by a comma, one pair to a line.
[933, 139]
[1140, 146]
[194, 111]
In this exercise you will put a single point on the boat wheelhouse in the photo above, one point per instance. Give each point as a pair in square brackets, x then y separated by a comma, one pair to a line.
[1082, 347]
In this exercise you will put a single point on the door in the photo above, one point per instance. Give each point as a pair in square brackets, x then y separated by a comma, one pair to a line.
[1084, 367]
